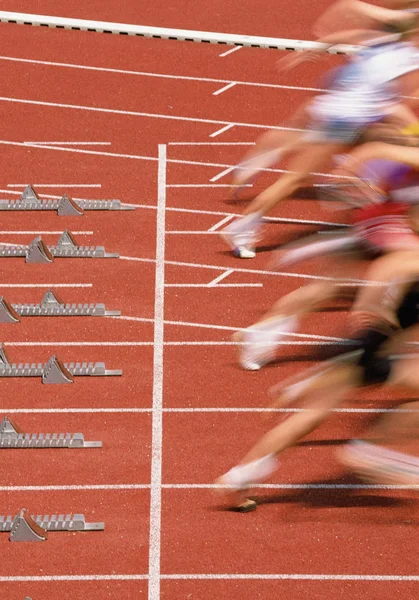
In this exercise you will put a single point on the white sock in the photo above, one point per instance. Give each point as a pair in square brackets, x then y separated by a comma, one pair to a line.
[243, 475]
[248, 168]
[245, 224]
[276, 326]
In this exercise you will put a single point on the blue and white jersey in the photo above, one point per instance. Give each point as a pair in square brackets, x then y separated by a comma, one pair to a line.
[366, 89]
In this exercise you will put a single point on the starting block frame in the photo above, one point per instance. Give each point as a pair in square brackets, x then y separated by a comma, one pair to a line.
[11, 436]
[51, 306]
[64, 207]
[28, 528]
[38, 252]
[54, 371]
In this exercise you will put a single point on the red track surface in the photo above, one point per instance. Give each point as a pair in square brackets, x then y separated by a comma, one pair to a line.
[315, 532]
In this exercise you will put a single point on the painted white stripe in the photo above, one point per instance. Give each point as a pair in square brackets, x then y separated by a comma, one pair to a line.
[257, 271]
[230, 51]
[132, 113]
[148, 158]
[44, 232]
[193, 232]
[293, 576]
[288, 410]
[224, 89]
[201, 410]
[207, 185]
[58, 143]
[306, 342]
[212, 143]
[157, 414]
[198, 576]
[224, 172]
[221, 223]
[56, 185]
[56, 488]
[222, 130]
[267, 220]
[46, 285]
[158, 75]
[226, 327]
[221, 277]
[165, 33]
[42, 578]
[206, 285]
[204, 486]
[295, 486]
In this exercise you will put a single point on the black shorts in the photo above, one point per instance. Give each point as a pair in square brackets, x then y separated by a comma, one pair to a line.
[375, 367]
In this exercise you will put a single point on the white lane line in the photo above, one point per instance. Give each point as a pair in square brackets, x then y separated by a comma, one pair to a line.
[55, 185]
[44, 232]
[292, 576]
[220, 277]
[157, 413]
[222, 130]
[191, 232]
[207, 185]
[206, 285]
[225, 327]
[153, 159]
[158, 75]
[133, 113]
[214, 576]
[266, 220]
[35, 578]
[351, 282]
[221, 223]
[224, 89]
[219, 175]
[207, 486]
[212, 143]
[50, 488]
[230, 51]
[306, 342]
[46, 285]
[58, 143]
[200, 410]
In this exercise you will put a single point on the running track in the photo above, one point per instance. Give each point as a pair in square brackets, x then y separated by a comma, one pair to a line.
[320, 533]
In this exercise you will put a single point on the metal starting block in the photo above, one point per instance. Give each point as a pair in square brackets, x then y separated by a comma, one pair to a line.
[51, 306]
[26, 528]
[12, 437]
[54, 371]
[65, 206]
[67, 247]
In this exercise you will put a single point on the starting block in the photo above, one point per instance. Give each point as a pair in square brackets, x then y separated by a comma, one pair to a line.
[27, 528]
[54, 371]
[12, 437]
[51, 306]
[66, 247]
[64, 206]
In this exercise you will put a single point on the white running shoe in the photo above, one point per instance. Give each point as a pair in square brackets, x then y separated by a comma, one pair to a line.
[240, 243]
[255, 350]
[259, 342]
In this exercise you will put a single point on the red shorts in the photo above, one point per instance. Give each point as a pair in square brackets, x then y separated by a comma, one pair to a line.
[385, 227]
